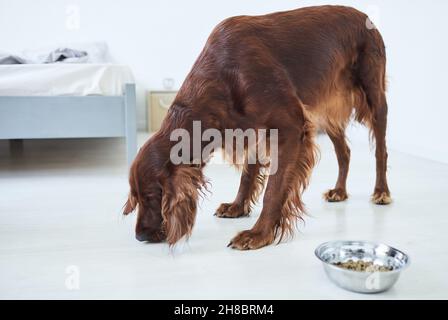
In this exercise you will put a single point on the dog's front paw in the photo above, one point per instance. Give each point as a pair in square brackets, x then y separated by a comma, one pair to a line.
[231, 210]
[250, 240]
[336, 195]
[381, 197]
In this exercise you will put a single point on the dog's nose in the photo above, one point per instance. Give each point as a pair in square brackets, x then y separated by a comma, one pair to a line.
[142, 236]
[152, 237]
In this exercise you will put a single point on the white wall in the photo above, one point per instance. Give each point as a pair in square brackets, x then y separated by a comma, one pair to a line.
[161, 39]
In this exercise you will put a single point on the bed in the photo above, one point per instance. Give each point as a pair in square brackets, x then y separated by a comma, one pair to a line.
[39, 101]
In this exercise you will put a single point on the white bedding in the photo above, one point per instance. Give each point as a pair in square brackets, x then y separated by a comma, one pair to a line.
[61, 79]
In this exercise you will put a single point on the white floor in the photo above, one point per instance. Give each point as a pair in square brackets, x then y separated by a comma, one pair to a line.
[60, 213]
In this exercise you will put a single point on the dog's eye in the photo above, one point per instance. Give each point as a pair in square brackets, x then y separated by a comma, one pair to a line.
[152, 199]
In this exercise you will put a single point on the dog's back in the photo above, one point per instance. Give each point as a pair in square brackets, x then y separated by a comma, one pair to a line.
[322, 52]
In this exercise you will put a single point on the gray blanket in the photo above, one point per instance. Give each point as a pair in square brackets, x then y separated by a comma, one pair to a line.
[66, 55]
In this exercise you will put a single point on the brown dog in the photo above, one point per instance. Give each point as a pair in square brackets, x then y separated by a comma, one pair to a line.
[295, 71]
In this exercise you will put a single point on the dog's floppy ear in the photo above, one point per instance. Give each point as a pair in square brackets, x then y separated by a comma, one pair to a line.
[130, 205]
[132, 201]
[179, 201]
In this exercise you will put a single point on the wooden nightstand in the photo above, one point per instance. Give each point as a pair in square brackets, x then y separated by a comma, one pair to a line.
[158, 103]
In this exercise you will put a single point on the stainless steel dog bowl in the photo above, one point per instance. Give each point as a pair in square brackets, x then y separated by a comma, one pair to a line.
[362, 281]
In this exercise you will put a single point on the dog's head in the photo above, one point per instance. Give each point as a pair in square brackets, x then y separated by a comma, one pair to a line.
[165, 196]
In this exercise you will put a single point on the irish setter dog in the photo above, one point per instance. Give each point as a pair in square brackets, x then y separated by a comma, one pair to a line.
[296, 71]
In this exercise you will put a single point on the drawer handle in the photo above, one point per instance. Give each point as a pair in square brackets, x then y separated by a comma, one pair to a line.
[165, 102]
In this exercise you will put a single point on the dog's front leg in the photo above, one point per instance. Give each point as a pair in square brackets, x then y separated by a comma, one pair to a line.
[281, 203]
[251, 185]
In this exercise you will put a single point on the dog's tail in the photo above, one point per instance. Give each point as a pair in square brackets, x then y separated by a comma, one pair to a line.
[370, 73]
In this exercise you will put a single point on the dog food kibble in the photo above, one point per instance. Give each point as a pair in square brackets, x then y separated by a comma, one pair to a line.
[362, 266]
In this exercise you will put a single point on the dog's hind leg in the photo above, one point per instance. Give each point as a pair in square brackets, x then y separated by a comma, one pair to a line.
[339, 193]
[381, 194]
[251, 185]
[372, 76]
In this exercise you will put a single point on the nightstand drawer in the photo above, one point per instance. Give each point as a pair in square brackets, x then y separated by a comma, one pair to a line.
[158, 105]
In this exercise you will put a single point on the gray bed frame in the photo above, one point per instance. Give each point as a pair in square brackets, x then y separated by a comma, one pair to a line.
[42, 117]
